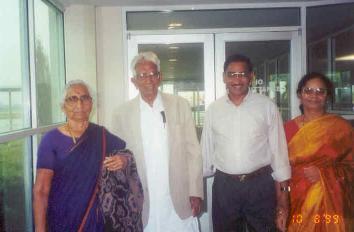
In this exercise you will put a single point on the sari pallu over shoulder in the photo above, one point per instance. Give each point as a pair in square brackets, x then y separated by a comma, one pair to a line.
[325, 205]
[73, 184]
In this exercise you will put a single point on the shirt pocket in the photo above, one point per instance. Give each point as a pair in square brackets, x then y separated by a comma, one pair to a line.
[224, 127]
[257, 127]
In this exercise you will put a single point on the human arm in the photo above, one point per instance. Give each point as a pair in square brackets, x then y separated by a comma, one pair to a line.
[282, 208]
[195, 165]
[281, 167]
[207, 146]
[278, 146]
[115, 162]
[41, 191]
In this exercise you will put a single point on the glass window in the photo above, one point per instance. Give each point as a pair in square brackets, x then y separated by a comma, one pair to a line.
[182, 69]
[343, 71]
[330, 42]
[15, 105]
[271, 61]
[50, 70]
[200, 19]
[15, 179]
[318, 56]
[14, 94]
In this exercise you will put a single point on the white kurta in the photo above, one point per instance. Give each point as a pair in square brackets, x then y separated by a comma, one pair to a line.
[162, 215]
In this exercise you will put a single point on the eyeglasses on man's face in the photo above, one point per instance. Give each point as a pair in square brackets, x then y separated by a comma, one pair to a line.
[314, 91]
[73, 100]
[242, 75]
[149, 75]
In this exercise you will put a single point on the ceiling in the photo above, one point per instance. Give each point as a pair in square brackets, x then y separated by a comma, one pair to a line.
[320, 22]
[166, 2]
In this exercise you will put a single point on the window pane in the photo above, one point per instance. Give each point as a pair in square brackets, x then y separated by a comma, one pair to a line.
[318, 56]
[331, 50]
[271, 61]
[182, 69]
[15, 185]
[14, 95]
[343, 71]
[50, 74]
[226, 18]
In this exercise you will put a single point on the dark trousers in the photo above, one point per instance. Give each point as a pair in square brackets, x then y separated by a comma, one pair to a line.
[238, 205]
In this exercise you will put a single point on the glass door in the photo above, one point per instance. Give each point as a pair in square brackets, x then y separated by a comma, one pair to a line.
[188, 63]
[276, 57]
[187, 67]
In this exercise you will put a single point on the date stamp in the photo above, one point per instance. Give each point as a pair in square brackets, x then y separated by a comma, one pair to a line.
[317, 218]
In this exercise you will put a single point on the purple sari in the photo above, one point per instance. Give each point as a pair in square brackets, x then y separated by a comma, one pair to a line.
[76, 172]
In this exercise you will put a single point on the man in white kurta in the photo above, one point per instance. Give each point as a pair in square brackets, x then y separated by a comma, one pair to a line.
[162, 215]
[159, 129]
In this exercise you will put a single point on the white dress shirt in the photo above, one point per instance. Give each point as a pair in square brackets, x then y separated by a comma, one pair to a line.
[162, 215]
[241, 139]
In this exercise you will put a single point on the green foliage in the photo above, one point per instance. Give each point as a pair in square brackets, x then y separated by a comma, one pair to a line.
[12, 194]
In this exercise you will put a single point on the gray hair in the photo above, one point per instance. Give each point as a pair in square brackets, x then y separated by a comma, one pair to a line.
[70, 84]
[145, 56]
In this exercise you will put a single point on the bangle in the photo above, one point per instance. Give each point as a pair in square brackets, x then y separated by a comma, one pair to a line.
[285, 189]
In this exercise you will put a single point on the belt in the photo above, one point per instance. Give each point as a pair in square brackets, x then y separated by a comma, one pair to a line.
[243, 177]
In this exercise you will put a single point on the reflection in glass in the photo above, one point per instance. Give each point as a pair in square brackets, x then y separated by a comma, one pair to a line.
[15, 181]
[330, 42]
[182, 71]
[215, 18]
[50, 77]
[318, 56]
[343, 70]
[14, 98]
[271, 66]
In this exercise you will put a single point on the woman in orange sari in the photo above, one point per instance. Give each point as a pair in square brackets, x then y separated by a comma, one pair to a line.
[320, 152]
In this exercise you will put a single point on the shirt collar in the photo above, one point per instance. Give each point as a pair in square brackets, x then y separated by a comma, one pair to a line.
[157, 104]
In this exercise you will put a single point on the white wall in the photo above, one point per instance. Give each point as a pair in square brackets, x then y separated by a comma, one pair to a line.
[80, 47]
[111, 84]
[94, 53]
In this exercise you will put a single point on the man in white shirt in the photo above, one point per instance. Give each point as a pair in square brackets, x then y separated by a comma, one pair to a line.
[159, 129]
[243, 143]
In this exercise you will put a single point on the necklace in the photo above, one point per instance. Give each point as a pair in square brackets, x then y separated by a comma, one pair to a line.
[302, 120]
[71, 133]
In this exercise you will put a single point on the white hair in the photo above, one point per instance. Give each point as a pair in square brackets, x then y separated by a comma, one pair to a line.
[72, 83]
[145, 56]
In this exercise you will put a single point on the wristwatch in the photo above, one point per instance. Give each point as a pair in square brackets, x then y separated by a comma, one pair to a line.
[285, 188]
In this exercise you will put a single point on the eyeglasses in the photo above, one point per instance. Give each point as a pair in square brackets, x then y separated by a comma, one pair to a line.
[242, 75]
[72, 100]
[315, 91]
[147, 75]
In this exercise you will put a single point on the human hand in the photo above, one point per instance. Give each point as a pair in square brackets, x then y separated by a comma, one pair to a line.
[115, 162]
[281, 218]
[196, 204]
[312, 173]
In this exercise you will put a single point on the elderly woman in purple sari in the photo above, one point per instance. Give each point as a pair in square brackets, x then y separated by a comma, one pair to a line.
[85, 180]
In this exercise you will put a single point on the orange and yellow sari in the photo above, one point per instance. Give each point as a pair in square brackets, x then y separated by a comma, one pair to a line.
[327, 205]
